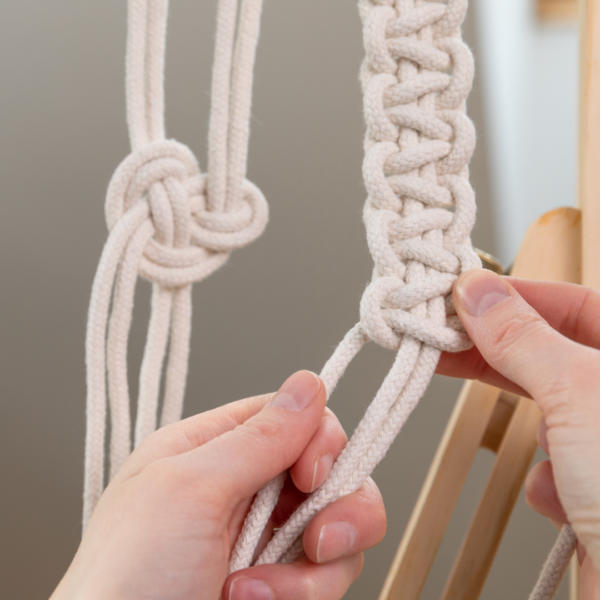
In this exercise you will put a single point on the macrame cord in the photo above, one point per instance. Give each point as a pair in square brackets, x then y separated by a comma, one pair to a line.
[418, 215]
[175, 226]
[169, 223]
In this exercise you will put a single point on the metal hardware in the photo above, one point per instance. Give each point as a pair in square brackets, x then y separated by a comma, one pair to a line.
[489, 262]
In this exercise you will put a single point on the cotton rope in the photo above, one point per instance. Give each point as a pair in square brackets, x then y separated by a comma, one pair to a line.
[169, 223]
[418, 215]
[175, 226]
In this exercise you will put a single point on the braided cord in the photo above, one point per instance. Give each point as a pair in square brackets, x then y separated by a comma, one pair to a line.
[169, 223]
[555, 566]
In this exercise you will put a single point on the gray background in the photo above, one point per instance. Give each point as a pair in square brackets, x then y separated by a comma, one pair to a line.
[279, 305]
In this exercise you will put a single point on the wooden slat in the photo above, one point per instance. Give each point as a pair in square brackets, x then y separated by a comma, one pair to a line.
[502, 490]
[440, 492]
[551, 248]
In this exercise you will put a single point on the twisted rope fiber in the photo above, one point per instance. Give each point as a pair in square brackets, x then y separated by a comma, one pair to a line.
[419, 214]
[169, 223]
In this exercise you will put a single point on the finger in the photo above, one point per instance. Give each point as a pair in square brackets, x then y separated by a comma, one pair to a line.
[297, 581]
[569, 308]
[350, 525]
[314, 465]
[190, 433]
[470, 364]
[541, 493]
[515, 340]
[590, 579]
[240, 462]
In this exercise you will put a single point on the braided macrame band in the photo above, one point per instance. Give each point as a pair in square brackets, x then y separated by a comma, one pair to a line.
[169, 223]
[419, 214]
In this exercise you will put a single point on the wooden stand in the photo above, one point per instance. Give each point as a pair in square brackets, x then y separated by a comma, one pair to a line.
[562, 245]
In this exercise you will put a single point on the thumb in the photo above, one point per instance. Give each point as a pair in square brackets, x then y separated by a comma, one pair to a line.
[514, 339]
[240, 462]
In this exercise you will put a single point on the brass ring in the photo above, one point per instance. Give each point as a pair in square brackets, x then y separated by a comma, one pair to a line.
[489, 262]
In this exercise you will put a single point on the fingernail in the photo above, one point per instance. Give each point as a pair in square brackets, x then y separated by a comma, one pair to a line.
[321, 471]
[298, 391]
[246, 588]
[335, 540]
[478, 290]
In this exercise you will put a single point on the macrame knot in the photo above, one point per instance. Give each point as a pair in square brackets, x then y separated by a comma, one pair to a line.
[161, 189]
[385, 317]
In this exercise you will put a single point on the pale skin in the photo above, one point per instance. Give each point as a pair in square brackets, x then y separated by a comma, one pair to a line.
[165, 527]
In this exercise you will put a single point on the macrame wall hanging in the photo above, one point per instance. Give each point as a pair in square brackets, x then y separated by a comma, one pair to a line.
[174, 226]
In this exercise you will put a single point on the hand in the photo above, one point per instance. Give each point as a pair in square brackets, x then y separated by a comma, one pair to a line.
[541, 339]
[166, 525]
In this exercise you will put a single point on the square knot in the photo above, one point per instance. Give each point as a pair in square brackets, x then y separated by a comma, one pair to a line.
[385, 316]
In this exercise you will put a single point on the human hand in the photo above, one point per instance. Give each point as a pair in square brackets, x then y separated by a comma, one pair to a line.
[541, 339]
[166, 524]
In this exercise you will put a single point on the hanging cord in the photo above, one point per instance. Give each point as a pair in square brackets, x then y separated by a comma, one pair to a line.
[419, 214]
[169, 223]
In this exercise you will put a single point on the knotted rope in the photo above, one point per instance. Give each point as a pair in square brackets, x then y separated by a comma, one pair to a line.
[169, 223]
[419, 214]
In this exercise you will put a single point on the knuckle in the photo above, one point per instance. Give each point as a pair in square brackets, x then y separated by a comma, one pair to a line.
[263, 430]
[504, 336]
[271, 432]
[564, 391]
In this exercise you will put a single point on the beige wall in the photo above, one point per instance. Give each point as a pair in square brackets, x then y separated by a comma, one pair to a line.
[279, 305]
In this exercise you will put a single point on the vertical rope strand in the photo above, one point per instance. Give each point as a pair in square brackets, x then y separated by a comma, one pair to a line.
[169, 223]
[218, 136]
